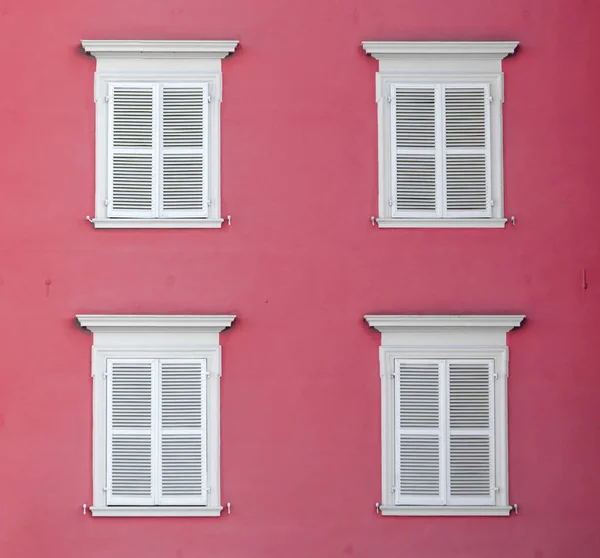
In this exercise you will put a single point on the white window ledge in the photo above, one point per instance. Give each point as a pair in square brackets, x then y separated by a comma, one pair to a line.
[157, 223]
[441, 223]
[445, 510]
[156, 511]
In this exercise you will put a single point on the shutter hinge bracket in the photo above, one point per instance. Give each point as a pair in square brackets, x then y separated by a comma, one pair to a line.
[495, 374]
[105, 374]
[106, 202]
[208, 202]
[496, 489]
[208, 99]
[388, 99]
[391, 202]
[393, 489]
[106, 99]
[208, 490]
[105, 489]
[490, 99]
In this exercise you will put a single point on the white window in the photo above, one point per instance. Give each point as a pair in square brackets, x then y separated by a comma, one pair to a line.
[156, 414]
[440, 133]
[443, 411]
[158, 133]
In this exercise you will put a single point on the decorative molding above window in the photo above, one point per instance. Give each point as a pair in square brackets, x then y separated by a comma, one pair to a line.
[156, 414]
[158, 133]
[443, 413]
[440, 133]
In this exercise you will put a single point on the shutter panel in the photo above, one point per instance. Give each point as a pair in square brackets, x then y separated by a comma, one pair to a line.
[183, 151]
[131, 143]
[416, 153]
[420, 444]
[129, 432]
[182, 453]
[467, 151]
[471, 428]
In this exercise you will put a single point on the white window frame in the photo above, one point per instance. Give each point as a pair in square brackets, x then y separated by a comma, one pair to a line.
[439, 63]
[423, 337]
[155, 337]
[158, 63]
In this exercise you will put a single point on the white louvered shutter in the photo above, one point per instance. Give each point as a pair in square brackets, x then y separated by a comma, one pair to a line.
[416, 153]
[129, 429]
[467, 179]
[471, 432]
[419, 431]
[132, 161]
[184, 151]
[182, 439]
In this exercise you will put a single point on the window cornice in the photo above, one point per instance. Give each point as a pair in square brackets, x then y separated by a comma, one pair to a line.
[159, 49]
[399, 322]
[495, 50]
[98, 323]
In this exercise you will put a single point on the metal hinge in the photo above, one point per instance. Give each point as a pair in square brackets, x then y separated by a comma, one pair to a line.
[106, 99]
[105, 374]
[490, 99]
[392, 375]
[391, 202]
[388, 99]
[496, 489]
[105, 489]
[495, 375]
[107, 202]
[208, 490]
[208, 202]
[393, 489]
[209, 99]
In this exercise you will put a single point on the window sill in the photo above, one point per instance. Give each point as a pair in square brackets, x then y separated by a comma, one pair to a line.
[494, 223]
[156, 511]
[445, 510]
[157, 223]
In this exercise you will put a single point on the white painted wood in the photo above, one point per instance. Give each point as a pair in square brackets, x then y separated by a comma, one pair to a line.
[406, 64]
[156, 511]
[445, 510]
[447, 339]
[441, 223]
[493, 50]
[157, 223]
[155, 338]
[167, 49]
[191, 64]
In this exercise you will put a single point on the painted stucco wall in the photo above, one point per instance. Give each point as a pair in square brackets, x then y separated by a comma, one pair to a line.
[300, 266]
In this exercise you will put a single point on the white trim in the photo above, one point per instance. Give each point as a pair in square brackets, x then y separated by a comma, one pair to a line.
[163, 49]
[212, 322]
[439, 63]
[156, 511]
[157, 223]
[491, 223]
[383, 322]
[445, 510]
[443, 337]
[496, 50]
[156, 337]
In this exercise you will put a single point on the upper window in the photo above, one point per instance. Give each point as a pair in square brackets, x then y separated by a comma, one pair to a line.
[157, 132]
[156, 414]
[440, 133]
[444, 420]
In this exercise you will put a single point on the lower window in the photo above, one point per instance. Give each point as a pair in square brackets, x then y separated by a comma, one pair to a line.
[444, 414]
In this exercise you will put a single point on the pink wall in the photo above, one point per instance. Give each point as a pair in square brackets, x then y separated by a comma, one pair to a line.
[300, 266]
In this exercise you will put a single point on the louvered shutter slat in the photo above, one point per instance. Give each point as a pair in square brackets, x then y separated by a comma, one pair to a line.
[419, 442]
[131, 173]
[129, 433]
[415, 157]
[467, 151]
[471, 455]
[182, 454]
[184, 119]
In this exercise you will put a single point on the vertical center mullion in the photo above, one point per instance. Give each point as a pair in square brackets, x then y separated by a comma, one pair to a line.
[444, 433]
[156, 450]
[157, 151]
[440, 139]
